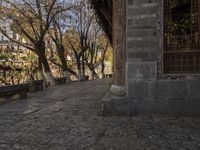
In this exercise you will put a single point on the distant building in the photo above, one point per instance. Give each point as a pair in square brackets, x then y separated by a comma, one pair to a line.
[11, 53]
[6, 45]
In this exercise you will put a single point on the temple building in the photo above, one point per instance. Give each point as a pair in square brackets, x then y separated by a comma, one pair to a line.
[156, 46]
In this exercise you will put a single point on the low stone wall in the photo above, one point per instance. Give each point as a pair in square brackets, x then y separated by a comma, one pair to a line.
[165, 89]
[13, 92]
[37, 85]
[160, 97]
[60, 81]
[175, 97]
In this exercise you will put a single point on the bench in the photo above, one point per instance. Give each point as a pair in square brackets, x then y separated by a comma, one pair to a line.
[108, 75]
[12, 90]
[59, 81]
[36, 85]
[87, 78]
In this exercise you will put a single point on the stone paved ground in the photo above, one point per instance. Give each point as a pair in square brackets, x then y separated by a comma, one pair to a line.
[68, 117]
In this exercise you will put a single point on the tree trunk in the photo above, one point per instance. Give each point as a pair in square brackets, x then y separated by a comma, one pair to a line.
[41, 72]
[94, 74]
[50, 78]
[78, 62]
[83, 67]
[103, 63]
[119, 45]
[40, 69]
[102, 69]
[40, 46]
[60, 50]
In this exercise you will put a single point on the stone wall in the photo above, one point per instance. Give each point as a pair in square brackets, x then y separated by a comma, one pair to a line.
[175, 97]
[145, 92]
[141, 40]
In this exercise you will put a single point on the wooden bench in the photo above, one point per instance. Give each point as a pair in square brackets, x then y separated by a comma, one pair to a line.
[12, 90]
[108, 75]
[60, 81]
[36, 85]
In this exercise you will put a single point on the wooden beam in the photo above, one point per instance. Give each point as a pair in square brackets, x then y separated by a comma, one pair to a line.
[119, 41]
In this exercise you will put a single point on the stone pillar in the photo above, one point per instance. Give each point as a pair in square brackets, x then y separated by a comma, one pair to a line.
[142, 41]
[119, 46]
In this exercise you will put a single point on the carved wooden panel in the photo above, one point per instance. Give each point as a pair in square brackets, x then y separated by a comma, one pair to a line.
[181, 54]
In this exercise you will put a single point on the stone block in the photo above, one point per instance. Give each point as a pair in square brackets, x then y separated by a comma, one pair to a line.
[138, 71]
[168, 89]
[123, 106]
[195, 89]
[141, 33]
[136, 43]
[142, 56]
[142, 49]
[112, 105]
[144, 27]
[143, 20]
[196, 103]
[130, 2]
[141, 2]
[153, 106]
[149, 9]
[138, 90]
[181, 107]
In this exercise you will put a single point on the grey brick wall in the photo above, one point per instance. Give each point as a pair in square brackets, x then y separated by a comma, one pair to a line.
[141, 40]
[146, 93]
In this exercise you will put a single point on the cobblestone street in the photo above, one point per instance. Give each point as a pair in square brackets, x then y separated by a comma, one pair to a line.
[68, 117]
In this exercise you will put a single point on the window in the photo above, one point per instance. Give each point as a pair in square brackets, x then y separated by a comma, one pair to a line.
[181, 37]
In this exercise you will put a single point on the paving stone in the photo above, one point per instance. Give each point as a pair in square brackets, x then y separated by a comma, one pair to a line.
[69, 117]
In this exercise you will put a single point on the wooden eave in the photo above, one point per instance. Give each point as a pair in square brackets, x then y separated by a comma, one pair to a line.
[103, 9]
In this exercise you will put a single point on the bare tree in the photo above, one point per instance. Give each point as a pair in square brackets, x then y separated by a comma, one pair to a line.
[59, 28]
[81, 26]
[94, 49]
[31, 19]
[90, 58]
[103, 59]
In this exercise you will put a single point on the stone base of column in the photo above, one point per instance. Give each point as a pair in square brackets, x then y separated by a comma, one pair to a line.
[118, 90]
[116, 105]
[127, 106]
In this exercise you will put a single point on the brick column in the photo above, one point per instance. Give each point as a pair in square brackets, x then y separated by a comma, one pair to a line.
[141, 45]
